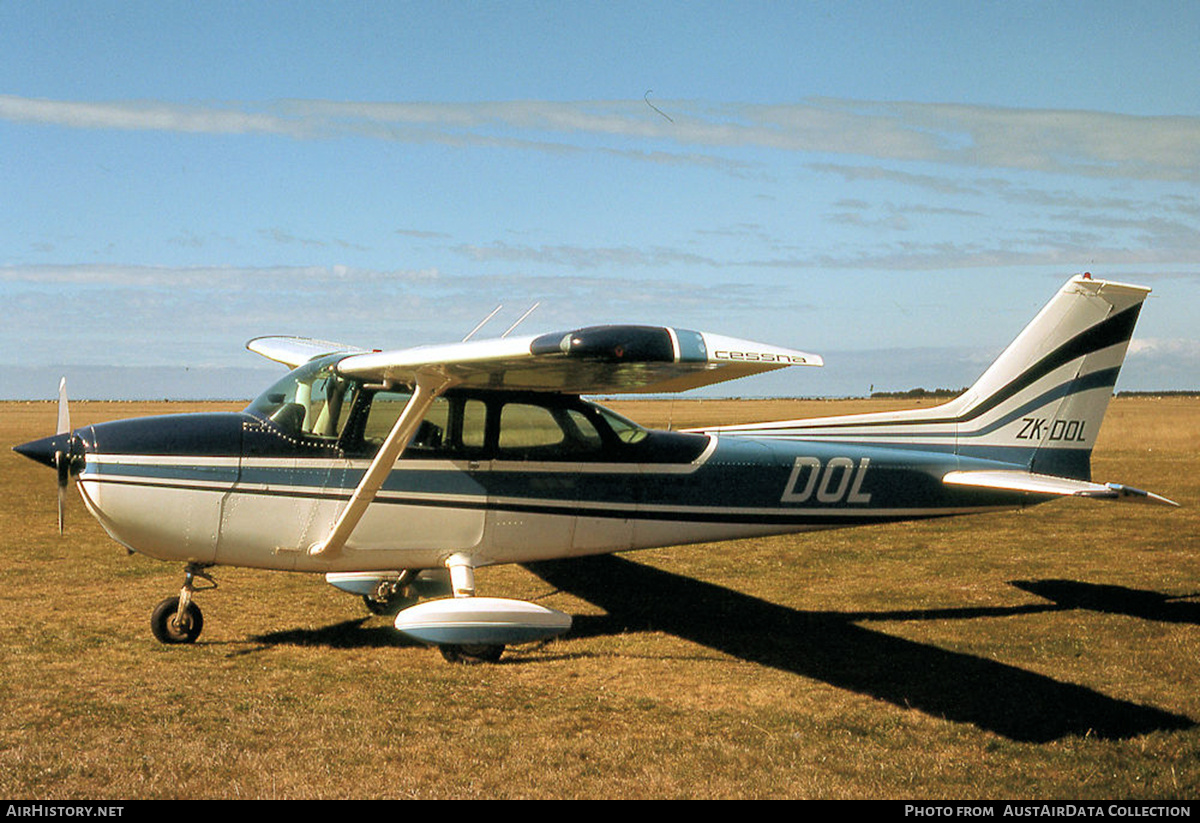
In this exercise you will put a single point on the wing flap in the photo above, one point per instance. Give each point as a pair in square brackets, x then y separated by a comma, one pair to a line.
[1022, 481]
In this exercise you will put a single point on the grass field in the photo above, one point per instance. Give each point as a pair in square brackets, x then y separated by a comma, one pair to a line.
[1047, 653]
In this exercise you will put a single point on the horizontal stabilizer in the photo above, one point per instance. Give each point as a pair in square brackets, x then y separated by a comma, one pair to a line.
[1022, 481]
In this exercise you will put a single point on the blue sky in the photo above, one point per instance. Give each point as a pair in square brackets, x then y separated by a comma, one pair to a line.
[897, 186]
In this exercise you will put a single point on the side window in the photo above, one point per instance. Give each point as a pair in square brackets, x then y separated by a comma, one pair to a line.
[466, 427]
[386, 408]
[474, 424]
[454, 427]
[524, 427]
[531, 432]
[584, 431]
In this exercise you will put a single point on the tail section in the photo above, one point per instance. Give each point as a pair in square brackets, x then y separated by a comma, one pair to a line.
[1038, 406]
[1041, 403]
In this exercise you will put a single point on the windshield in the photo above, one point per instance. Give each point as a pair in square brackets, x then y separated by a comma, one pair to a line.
[311, 400]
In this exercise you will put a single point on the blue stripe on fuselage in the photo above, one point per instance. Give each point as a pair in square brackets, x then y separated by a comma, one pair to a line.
[756, 476]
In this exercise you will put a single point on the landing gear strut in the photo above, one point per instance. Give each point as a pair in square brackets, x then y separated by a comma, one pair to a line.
[462, 583]
[178, 619]
[390, 596]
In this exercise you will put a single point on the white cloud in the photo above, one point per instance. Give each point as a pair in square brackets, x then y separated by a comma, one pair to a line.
[583, 257]
[1087, 143]
[148, 116]
[1176, 347]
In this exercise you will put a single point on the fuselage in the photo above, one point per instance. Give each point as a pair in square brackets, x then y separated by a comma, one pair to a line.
[492, 457]
[502, 477]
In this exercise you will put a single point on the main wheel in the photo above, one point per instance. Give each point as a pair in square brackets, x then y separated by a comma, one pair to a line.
[470, 654]
[169, 628]
[389, 607]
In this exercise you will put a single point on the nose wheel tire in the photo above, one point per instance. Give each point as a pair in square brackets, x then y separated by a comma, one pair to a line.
[470, 654]
[170, 627]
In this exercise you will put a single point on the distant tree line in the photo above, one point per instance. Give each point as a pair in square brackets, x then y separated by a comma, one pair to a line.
[922, 393]
[1165, 393]
[918, 393]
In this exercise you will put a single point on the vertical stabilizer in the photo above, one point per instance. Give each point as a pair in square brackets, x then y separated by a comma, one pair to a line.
[1037, 408]
[1043, 399]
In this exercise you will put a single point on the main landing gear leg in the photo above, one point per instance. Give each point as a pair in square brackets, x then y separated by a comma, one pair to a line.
[178, 619]
[390, 596]
[462, 581]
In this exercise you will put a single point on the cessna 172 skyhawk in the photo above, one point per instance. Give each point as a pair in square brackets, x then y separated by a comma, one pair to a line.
[376, 467]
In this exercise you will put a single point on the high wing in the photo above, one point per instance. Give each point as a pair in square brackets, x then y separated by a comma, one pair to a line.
[296, 351]
[592, 360]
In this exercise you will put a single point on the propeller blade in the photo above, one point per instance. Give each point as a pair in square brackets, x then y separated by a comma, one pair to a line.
[62, 488]
[64, 413]
[62, 459]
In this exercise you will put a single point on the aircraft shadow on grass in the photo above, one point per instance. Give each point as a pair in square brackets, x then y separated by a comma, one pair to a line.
[828, 646]
[349, 634]
[831, 647]
[1148, 605]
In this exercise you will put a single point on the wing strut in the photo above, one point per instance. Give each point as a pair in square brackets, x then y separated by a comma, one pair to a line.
[427, 388]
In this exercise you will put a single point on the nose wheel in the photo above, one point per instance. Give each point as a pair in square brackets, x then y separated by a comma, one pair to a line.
[172, 624]
[178, 619]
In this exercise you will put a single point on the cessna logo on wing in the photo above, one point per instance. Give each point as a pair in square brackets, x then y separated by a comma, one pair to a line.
[759, 357]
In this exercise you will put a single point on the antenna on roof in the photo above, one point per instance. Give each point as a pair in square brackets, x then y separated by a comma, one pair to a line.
[482, 323]
[521, 319]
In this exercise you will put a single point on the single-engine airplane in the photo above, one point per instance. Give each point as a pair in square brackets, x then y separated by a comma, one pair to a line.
[398, 473]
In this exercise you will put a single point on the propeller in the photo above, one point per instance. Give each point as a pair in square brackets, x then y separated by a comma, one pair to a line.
[62, 452]
[62, 459]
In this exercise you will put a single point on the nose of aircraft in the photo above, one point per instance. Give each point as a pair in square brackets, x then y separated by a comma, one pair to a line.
[63, 452]
[46, 449]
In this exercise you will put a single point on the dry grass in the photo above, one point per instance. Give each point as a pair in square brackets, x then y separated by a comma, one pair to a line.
[1050, 653]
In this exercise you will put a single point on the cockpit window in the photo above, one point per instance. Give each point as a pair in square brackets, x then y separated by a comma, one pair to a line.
[312, 400]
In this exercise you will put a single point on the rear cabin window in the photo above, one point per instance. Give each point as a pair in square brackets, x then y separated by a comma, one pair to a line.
[530, 432]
